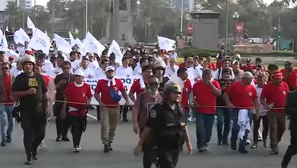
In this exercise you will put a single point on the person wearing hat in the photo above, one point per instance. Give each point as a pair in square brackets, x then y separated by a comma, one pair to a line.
[166, 129]
[273, 98]
[290, 75]
[80, 93]
[248, 66]
[159, 71]
[30, 89]
[243, 97]
[107, 94]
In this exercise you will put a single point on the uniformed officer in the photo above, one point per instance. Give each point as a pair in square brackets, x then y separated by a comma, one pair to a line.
[166, 129]
[30, 89]
[291, 109]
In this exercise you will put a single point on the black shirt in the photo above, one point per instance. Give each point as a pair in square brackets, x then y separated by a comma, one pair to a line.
[23, 83]
[68, 78]
[223, 83]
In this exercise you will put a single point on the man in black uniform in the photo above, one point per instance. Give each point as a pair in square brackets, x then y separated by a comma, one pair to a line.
[291, 109]
[31, 90]
[166, 128]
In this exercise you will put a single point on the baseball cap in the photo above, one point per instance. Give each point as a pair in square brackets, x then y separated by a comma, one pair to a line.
[79, 73]
[277, 75]
[109, 68]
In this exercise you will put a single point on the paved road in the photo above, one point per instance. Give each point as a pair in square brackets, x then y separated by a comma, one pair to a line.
[59, 155]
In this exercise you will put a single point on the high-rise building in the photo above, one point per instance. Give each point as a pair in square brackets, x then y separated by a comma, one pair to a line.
[24, 4]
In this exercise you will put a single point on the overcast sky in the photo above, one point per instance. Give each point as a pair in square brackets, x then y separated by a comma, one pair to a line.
[43, 2]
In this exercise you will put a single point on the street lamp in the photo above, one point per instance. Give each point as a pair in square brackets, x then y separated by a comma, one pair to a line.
[235, 17]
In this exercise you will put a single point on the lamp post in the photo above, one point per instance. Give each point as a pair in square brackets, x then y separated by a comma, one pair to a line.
[226, 26]
[86, 16]
[235, 17]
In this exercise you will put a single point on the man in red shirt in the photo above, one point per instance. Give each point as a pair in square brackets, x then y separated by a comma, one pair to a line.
[290, 75]
[107, 94]
[205, 93]
[273, 98]
[139, 85]
[187, 92]
[210, 65]
[6, 103]
[241, 95]
[248, 66]
[78, 95]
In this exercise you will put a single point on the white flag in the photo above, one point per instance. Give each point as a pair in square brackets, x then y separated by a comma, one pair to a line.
[165, 43]
[91, 44]
[21, 36]
[40, 41]
[62, 44]
[31, 25]
[115, 48]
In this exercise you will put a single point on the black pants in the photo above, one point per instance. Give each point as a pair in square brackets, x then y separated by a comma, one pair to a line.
[168, 158]
[257, 126]
[124, 111]
[77, 126]
[149, 155]
[292, 149]
[33, 126]
[98, 113]
[61, 124]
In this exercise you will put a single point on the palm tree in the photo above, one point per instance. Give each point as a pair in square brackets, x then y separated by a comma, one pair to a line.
[13, 12]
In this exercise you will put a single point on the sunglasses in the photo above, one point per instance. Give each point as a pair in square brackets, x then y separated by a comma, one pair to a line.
[5, 68]
[154, 84]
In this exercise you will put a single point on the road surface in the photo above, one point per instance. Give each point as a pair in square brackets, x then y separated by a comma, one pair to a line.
[59, 154]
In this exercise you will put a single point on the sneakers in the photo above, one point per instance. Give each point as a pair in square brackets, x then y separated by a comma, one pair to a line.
[76, 149]
[29, 159]
[58, 139]
[107, 148]
[3, 142]
[8, 139]
[65, 139]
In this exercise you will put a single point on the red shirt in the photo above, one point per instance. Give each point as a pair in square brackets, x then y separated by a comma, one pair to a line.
[242, 96]
[276, 94]
[104, 90]
[182, 65]
[7, 88]
[47, 79]
[185, 94]
[135, 88]
[211, 66]
[291, 80]
[77, 95]
[204, 96]
[246, 67]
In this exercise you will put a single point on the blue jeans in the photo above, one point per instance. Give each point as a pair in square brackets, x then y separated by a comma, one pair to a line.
[7, 121]
[204, 124]
[235, 130]
[223, 120]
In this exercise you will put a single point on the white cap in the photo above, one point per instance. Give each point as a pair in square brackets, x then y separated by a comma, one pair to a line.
[109, 68]
[79, 72]
[28, 58]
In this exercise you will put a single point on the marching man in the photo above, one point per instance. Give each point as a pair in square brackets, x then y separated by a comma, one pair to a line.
[78, 95]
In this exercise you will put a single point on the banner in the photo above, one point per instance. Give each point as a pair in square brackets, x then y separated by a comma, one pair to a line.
[127, 81]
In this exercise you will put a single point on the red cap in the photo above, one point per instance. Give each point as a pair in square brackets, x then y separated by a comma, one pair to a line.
[29, 52]
[278, 75]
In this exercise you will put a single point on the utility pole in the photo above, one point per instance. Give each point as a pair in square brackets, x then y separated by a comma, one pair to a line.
[86, 16]
[53, 9]
[226, 27]
[181, 17]
[278, 33]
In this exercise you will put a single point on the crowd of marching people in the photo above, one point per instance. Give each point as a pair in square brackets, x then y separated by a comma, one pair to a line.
[250, 95]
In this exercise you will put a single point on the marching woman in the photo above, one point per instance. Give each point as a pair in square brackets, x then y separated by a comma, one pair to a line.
[77, 96]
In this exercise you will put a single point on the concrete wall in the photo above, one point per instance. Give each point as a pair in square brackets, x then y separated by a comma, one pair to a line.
[205, 33]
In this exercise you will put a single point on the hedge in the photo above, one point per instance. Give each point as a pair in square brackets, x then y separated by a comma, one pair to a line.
[205, 52]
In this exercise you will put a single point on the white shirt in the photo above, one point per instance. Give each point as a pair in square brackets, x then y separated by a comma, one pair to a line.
[93, 65]
[15, 72]
[75, 64]
[99, 73]
[88, 72]
[137, 70]
[47, 67]
[171, 71]
[263, 112]
[122, 71]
